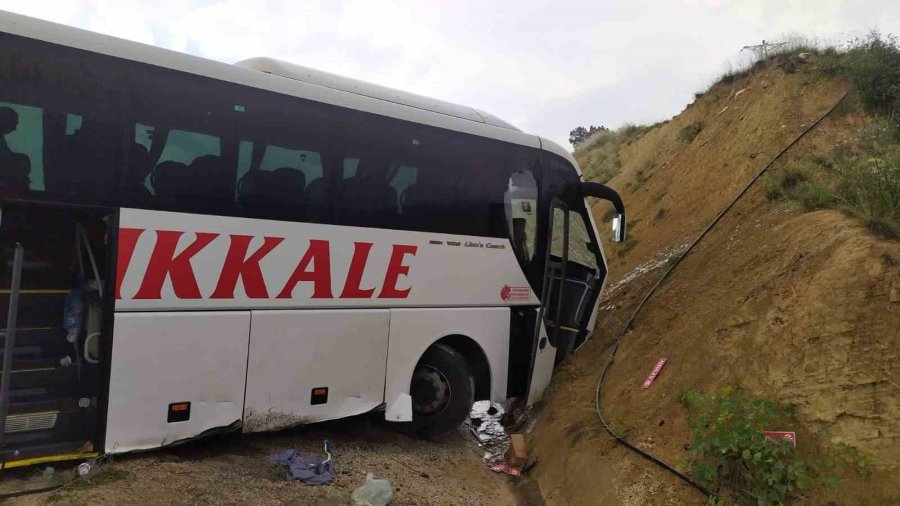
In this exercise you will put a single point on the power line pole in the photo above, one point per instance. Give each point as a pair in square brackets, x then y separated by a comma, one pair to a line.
[762, 50]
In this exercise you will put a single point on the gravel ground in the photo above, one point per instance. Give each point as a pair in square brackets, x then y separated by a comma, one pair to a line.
[235, 470]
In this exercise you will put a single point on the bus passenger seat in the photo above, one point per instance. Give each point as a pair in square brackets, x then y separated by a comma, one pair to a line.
[316, 199]
[211, 173]
[286, 191]
[368, 195]
[168, 179]
[139, 167]
[251, 192]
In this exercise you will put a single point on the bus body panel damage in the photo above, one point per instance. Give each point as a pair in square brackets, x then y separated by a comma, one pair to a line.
[161, 359]
[290, 360]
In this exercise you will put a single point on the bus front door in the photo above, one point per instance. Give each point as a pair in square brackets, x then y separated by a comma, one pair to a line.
[573, 276]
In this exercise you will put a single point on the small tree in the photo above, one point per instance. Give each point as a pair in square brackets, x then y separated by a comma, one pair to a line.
[580, 135]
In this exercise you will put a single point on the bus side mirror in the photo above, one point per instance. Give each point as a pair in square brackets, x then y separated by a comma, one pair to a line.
[618, 228]
[601, 191]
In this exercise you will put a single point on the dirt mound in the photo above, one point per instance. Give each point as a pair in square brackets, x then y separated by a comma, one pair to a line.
[796, 307]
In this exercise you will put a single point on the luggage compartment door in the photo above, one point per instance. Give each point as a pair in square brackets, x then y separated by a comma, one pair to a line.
[175, 376]
[313, 365]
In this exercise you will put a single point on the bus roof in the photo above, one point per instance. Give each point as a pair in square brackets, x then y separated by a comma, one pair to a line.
[336, 82]
[289, 79]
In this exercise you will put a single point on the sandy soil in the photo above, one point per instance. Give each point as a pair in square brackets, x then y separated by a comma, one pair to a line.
[794, 306]
[235, 470]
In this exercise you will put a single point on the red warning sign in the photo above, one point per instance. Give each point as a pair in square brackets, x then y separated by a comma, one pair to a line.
[773, 435]
[655, 372]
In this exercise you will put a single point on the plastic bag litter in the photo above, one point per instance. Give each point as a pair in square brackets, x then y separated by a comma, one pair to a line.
[373, 493]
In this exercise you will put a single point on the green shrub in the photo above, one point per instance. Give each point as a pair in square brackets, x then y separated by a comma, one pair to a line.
[729, 450]
[778, 185]
[599, 155]
[869, 188]
[873, 64]
[865, 185]
[690, 132]
[626, 246]
[811, 196]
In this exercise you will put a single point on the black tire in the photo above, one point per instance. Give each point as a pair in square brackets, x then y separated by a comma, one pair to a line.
[440, 409]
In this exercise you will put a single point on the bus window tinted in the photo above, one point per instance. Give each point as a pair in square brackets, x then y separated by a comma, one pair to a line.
[177, 169]
[521, 201]
[276, 186]
[403, 179]
[185, 147]
[21, 149]
[71, 156]
[367, 198]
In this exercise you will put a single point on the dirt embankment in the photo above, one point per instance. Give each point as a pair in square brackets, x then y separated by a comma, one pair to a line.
[796, 307]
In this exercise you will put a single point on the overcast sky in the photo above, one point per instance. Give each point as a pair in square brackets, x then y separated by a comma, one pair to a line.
[545, 66]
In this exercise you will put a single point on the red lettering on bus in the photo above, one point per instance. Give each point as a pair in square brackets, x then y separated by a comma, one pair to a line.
[395, 269]
[239, 265]
[128, 238]
[318, 254]
[352, 289]
[164, 262]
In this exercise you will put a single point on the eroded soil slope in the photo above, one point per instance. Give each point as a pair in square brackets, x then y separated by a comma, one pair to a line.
[799, 308]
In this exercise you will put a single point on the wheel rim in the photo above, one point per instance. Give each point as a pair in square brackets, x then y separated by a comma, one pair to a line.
[430, 390]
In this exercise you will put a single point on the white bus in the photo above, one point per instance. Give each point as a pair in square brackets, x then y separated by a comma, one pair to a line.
[191, 247]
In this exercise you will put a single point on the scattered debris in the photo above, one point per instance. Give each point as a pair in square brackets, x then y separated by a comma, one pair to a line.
[741, 91]
[312, 470]
[517, 454]
[655, 372]
[484, 423]
[373, 492]
[654, 263]
[86, 467]
[503, 467]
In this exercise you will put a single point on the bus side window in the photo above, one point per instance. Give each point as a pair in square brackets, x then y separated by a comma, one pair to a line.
[69, 155]
[403, 181]
[367, 197]
[21, 149]
[520, 202]
[275, 184]
[178, 170]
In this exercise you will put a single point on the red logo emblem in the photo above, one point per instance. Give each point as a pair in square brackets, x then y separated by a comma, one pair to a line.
[515, 293]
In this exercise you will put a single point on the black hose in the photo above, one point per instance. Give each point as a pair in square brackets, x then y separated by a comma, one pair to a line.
[20, 493]
[630, 323]
[103, 459]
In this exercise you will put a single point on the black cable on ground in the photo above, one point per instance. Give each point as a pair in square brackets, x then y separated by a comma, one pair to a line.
[630, 323]
[101, 460]
[20, 493]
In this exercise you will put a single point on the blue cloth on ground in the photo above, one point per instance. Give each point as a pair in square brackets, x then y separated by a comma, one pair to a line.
[312, 470]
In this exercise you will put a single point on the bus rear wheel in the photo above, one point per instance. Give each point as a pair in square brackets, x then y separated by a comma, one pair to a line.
[442, 391]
